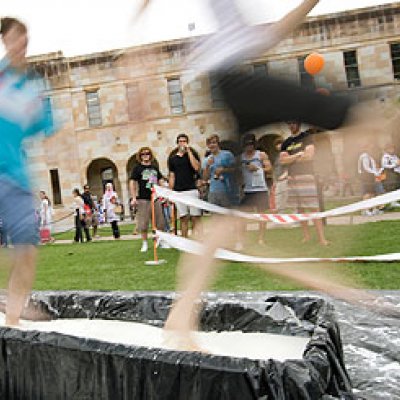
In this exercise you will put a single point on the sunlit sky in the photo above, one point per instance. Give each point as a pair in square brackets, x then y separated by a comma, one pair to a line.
[86, 26]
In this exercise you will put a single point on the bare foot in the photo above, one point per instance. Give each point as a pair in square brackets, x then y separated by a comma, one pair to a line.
[11, 322]
[31, 312]
[182, 341]
[305, 240]
[324, 242]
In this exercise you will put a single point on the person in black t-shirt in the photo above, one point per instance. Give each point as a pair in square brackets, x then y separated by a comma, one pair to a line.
[297, 152]
[184, 165]
[142, 179]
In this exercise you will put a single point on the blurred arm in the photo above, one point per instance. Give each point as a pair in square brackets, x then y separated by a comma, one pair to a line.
[279, 30]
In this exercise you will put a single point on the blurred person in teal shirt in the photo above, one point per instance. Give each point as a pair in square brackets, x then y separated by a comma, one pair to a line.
[23, 114]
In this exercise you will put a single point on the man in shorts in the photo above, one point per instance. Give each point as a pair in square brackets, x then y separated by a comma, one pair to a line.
[255, 164]
[218, 168]
[297, 152]
[184, 166]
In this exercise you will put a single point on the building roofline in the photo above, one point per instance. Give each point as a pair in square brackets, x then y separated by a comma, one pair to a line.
[115, 53]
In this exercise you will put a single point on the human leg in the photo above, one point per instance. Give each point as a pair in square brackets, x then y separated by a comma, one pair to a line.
[18, 215]
[86, 230]
[184, 225]
[78, 229]
[95, 224]
[196, 225]
[143, 215]
[319, 226]
[115, 229]
[183, 317]
[20, 281]
[306, 231]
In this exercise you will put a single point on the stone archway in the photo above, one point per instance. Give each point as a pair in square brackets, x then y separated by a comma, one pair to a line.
[99, 172]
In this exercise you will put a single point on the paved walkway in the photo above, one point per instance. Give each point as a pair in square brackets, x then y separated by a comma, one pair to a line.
[342, 220]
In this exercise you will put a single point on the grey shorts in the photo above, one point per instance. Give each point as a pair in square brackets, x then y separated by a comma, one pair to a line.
[18, 213]
[219, 199]
[258, 201]
[144, 215]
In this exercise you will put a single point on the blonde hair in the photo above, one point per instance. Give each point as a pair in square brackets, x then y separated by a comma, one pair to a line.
[214, 136]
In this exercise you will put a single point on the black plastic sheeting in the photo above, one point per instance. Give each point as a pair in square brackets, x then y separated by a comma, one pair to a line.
[39, 365]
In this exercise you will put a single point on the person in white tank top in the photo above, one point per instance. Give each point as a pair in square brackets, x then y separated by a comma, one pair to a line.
[255, 164]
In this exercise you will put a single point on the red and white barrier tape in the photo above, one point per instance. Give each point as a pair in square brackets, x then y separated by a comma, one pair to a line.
[181, 197]
[193, 247]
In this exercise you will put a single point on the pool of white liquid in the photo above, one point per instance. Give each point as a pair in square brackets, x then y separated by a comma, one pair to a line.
[256, 346]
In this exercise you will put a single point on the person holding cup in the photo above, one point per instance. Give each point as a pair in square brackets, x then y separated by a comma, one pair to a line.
[218, 168]
[184, 167]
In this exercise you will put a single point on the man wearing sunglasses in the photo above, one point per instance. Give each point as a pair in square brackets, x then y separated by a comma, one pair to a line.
[144, 175]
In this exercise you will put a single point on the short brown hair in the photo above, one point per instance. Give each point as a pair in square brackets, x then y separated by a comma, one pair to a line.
[141, 150]
[214, 136]
[182, 135]
[7, 23]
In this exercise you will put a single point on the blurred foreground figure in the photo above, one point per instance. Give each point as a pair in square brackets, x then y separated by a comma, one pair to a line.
[22, 114]
[255, 101]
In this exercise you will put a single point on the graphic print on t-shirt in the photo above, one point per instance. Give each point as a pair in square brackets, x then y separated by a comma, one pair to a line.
[149, 175]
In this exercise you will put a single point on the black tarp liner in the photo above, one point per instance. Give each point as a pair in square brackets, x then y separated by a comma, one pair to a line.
[38, 365]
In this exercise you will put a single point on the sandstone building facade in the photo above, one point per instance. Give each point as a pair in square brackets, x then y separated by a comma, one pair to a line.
[110, 104]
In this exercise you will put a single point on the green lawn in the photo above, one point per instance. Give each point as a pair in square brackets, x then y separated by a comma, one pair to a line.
[104, 230]
[118, 265]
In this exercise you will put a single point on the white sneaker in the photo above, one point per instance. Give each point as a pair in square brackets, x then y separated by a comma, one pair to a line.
[377, 211]
[144, 247]
[367, 213]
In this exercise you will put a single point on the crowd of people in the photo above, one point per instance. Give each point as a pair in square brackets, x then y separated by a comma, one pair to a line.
[228, 180]
[378, 177]
[90, 212]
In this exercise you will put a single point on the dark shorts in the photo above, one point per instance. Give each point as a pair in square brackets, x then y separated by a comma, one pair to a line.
[368, 184]
[261, 100]
[257, 201]
[219, 199]
[18, 213]
[392, 181]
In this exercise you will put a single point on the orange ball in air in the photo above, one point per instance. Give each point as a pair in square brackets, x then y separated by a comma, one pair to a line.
[314, 63]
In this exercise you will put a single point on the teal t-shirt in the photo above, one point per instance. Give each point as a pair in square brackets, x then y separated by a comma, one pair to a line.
[23, 113]
[223, 159]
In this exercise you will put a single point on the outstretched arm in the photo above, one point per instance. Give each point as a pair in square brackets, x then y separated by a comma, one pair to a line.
[279, 30]
[142, 7]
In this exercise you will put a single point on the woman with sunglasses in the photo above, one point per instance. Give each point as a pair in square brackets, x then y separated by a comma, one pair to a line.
[144, 175]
